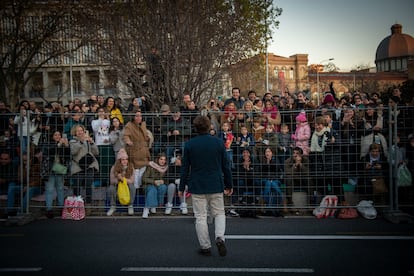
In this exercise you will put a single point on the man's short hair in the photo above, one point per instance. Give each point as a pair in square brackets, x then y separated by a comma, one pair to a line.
[202, 124]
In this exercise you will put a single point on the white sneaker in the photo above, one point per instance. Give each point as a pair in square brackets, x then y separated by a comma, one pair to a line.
[153, 210]
[184, 209]
[168, 208]
[145, 213]
[111, 211]
[233, 213]
[130, 210]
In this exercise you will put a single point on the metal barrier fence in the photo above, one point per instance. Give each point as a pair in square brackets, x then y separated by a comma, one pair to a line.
[336, 163]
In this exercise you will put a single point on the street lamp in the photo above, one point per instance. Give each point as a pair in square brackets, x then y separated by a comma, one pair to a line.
[357, 69]
[317, 76]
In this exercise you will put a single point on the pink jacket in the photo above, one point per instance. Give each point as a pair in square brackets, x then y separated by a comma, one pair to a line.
[302, 136]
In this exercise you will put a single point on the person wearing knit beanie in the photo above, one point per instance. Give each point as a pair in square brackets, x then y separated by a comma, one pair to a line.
[120, 171]
[328, 99]
[122, 154]
[301, 117]
[302, 133]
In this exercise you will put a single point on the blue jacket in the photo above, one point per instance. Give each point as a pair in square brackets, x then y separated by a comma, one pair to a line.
[205, 168]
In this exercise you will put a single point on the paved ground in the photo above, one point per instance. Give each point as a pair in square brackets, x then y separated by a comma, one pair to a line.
[167, 245]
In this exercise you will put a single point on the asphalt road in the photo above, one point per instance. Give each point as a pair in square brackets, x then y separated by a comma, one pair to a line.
[168, 246]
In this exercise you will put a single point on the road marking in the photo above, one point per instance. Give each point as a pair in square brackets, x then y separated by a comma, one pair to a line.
[218, 269]
[11, 235]
[315, 237]
[20, 269]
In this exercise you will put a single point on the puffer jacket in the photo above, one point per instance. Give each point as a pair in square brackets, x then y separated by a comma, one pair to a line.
[78, 150]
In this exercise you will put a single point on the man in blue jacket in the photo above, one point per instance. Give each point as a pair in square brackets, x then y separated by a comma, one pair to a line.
[206, 171]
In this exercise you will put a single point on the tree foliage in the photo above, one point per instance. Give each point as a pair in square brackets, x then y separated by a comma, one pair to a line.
[329, 67]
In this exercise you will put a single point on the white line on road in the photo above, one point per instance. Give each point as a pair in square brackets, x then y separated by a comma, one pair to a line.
[20, 269]
[218, 269]
[315, 237]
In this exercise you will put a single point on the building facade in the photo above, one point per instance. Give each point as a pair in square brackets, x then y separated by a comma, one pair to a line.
[395, 51]
[394, 66]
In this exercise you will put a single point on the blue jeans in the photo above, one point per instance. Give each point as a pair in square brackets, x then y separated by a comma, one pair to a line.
[229, 153]
[54, 181]
[154, 195]
[24, 144]
[16, 189]
[269, 186]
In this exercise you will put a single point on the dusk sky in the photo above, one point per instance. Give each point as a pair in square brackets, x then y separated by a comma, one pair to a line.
[348, 31]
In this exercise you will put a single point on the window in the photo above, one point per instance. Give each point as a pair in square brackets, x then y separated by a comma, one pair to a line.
[276, 72]
[398, 66]
[392, 65]
[404, 64]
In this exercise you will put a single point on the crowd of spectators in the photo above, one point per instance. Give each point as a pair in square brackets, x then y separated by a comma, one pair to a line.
[277, 144]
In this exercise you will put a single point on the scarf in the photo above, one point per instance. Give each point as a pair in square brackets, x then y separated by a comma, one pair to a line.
[318, 140]
[161, 169]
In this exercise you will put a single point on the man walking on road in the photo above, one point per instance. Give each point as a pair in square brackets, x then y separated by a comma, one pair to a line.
[206, 172]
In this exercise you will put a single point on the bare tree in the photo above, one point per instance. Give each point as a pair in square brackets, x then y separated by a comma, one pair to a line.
[31, 37]
[161, 48]
[185, 45]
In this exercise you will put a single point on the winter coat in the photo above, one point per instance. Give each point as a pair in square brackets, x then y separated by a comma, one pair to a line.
[116, 139]
[139, 154]
[78, 150]
[302, 137]
[205, 167]
[50, 151]
[150, 175]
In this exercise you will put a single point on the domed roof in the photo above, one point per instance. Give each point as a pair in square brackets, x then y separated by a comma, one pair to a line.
[395, 45]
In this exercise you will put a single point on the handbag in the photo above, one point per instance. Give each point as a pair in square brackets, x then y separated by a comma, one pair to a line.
[74, 208]
[378, 185]
[86, 161]
[58, 168]
[404, 176]
[123, 192]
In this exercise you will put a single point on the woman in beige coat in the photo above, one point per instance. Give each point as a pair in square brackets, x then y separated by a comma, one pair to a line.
[137, 141]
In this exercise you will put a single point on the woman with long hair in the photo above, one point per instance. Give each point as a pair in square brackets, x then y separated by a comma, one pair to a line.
[112, 109]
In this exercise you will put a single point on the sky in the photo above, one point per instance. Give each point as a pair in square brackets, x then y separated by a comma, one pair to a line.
[347, 30]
